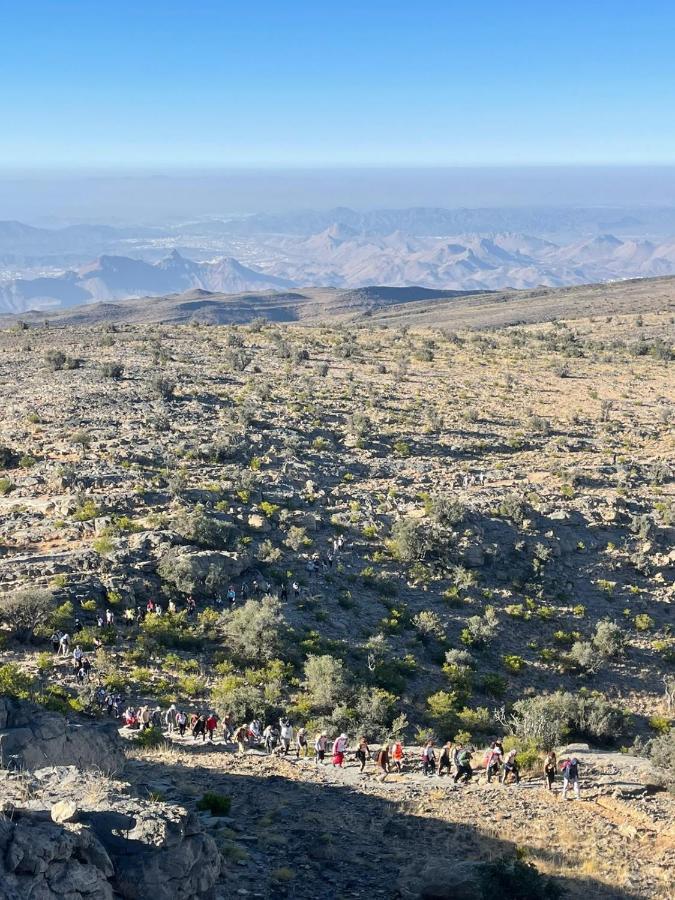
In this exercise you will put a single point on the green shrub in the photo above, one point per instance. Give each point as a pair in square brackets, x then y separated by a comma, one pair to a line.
[660, 724]
[15, 683]
[150, 738]
[643, 622]
[25, 610]
[216, 804]
[513, 663]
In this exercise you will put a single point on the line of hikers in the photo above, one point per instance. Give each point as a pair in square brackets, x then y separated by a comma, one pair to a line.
[282, 739]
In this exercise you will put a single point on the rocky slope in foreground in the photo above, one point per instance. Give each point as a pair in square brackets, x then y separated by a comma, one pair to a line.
[70, 832]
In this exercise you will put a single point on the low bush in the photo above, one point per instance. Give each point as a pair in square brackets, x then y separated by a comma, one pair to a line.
[216, 804]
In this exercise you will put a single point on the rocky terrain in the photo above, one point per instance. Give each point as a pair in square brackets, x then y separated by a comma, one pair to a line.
[458, 533]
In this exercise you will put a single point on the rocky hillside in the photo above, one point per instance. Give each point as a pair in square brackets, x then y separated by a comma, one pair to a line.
[457, 534]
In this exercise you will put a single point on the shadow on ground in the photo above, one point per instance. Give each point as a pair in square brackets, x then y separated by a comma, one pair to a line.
[286, 838]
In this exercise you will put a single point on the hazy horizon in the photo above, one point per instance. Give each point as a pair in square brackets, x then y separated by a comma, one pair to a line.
[41, 196]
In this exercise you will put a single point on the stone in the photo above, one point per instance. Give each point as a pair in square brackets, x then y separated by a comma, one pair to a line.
[64, 811]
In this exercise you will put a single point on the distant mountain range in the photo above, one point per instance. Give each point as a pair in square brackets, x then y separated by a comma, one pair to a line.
[354, 250]
[119, 277]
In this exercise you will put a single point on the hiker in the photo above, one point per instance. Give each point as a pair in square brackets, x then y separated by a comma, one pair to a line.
[493, 761]
[296, 589]
[64, 643]
[228, 727]
[77, 657]
[171, 607]
[428, 758]
[56, 641]
[445, 759]
[77, 625]
[255, 731]
[231, 595]
[283, 594]
[200, 728]
[550, 766]
[170, 718]
[181, 721]
[320, 747]
[339, 749]
[286, 734]
[143, 715]
[240, 737]
[211, 725]
[464, 769]
[511, 767]
[362, 752]
[397, 755]
[301, 747]
[270, 738]
[382, 762]
[570, 773]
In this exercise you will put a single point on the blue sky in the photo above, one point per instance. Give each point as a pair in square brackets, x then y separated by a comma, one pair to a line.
[304, 84]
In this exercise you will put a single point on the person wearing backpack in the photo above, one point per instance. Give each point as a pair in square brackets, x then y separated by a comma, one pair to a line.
[464, 769]
[181, 722]
[570, 774]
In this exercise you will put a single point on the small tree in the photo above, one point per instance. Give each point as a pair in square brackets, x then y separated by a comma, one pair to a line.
[25, 609]
[609, 639]
[325, 681]
[253, 631]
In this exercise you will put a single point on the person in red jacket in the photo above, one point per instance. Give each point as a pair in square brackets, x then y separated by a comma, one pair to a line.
[211, 725]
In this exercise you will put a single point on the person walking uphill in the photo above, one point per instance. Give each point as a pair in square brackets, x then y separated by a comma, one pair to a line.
[570, 773]
[286, 735]
[199, 728]
[511, 767]
[363, 753]
[320, 747]
[339, 750]
[397, 756]
[382, 762]
[428, 758]
[550, 766]
[211, 725]
[464, 770]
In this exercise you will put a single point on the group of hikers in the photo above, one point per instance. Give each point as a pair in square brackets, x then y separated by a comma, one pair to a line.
[282, 739]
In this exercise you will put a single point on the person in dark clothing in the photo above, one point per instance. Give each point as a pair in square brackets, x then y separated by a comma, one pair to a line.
[550, 766]
[464, 770]
[445, 759]
[363, 752]
[200, 728]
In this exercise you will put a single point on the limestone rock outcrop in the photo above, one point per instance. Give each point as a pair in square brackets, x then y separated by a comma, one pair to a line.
[109, 843]
[32, 737]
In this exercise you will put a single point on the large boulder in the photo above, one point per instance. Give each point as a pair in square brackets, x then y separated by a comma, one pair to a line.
[195, 571]
[109, 844]
[32, 737]
[39, 858]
